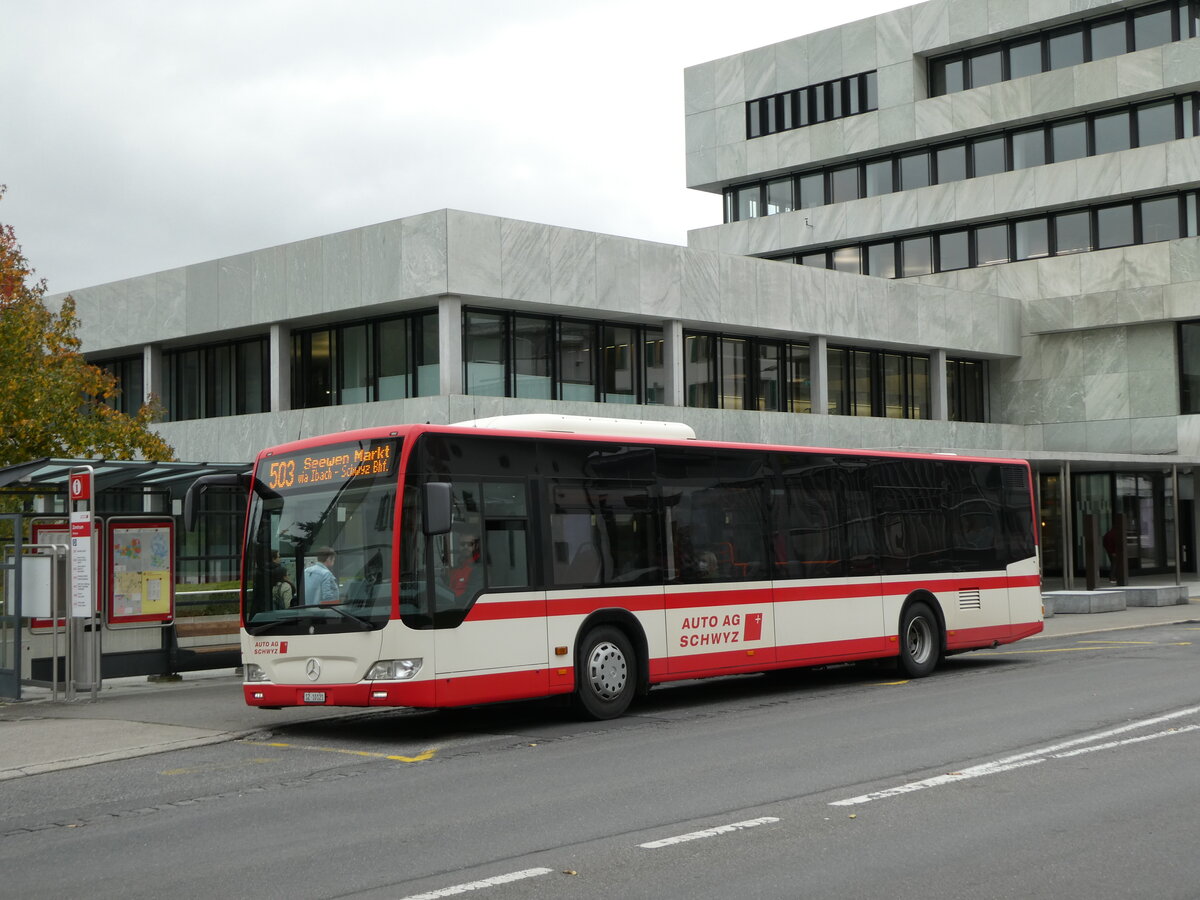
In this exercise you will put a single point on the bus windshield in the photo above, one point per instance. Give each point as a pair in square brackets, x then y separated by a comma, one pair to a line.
[319, 540]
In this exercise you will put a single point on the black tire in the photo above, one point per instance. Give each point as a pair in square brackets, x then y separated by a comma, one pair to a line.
[605, 674]
[920, 641]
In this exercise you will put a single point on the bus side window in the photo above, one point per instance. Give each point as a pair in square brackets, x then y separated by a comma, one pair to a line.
[603, 532]
[817, 518]
[506, 531]
[458, 557]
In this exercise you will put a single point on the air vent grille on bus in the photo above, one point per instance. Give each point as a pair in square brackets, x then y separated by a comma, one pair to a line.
[970, 599]
[1014, 478]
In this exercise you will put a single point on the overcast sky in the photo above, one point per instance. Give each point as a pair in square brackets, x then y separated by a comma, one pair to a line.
[139, 135]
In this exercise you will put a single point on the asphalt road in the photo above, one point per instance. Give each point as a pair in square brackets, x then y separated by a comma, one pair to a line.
[1063, 767]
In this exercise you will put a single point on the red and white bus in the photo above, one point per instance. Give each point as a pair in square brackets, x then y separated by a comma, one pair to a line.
[480, 564]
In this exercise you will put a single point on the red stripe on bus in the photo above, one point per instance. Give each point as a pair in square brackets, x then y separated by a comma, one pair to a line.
[730, 595]
[513, 609]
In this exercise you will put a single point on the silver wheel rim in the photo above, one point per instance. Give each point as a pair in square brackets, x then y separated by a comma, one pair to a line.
[919, 640]
[608, 672]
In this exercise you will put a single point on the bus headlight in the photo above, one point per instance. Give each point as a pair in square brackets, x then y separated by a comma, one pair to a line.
[254, 673]
[394, 670]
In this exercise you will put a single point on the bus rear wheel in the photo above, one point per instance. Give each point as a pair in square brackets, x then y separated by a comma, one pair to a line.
[606, 674]
[920, 641]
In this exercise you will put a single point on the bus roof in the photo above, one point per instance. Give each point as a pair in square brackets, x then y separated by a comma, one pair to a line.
[597, 428]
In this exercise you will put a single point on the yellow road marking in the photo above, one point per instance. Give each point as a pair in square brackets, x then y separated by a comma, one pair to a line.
[420, 757]
[890, 683]
[1023, 652]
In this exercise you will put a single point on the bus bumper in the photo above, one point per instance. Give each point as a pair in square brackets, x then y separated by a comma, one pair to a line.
[364, 693]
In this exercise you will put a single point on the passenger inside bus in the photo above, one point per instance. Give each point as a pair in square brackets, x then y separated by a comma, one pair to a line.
[282, 589]
[466, 578]
[320, 584]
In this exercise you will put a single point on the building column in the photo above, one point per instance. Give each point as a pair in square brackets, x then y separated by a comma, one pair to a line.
[450, 345]
[938, 387]
[279, 354]
[818, 374]
[152, 374]
[673, 356]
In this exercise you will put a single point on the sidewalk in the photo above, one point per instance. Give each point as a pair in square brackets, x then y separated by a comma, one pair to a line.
[133, 717]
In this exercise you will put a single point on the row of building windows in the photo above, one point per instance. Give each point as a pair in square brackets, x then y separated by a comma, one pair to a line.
[810, 105]
[508, 354]
[1161, 218]
[379, 359]
[1059, 140]
[1135, 29]
[227, 379]
[542, 357]
[735, 372]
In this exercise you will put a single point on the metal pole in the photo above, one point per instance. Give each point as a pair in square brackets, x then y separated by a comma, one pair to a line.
[1067, 514]
[1175, 519]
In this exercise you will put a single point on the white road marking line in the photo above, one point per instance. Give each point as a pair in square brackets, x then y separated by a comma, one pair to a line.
[1033, 757]
[708, 832]
[480, 885]
[1137, 740]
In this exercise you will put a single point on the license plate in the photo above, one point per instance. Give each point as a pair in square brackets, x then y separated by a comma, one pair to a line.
[314, 696]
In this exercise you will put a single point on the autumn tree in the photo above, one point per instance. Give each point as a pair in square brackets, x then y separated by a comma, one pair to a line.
[53, 403]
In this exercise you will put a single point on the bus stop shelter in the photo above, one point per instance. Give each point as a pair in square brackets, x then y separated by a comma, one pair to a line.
[152, 581]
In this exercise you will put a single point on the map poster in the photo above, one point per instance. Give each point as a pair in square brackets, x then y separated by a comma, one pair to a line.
[141, 571]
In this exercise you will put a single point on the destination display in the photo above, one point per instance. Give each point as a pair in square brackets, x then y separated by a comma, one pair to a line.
[329, 466]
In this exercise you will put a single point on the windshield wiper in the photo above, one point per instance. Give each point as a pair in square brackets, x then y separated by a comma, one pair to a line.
[363, 624]
[267, 626]
[309, 618]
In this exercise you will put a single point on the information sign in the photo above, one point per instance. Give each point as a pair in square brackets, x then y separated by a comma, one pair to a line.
[329, 466]
[82, 581]
[141, 566]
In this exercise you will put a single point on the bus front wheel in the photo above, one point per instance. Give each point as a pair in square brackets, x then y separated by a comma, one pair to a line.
[606, 676]
[920, 641]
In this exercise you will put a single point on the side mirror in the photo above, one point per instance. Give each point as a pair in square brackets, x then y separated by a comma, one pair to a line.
[437, 508]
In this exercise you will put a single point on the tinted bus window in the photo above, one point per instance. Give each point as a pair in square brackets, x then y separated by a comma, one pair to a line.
[714, 510]
[602, 533]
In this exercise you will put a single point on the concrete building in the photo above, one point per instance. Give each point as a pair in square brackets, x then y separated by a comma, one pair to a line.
[966, 225]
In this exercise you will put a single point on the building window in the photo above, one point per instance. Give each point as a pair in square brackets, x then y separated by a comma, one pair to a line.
[228, 379]
[881, 259]
[987, 156]
[917, 256]
[951, 163]
[878, 383]
[506, 354]
[734, 372]
[813, 104]
[1114, 226]
[128, 371]
[1068, 140]
[1059, 140]
[1189, 368]
[1136, 29]
[361, 362]
[953, 252]
[1032, 238]
[966, 383]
